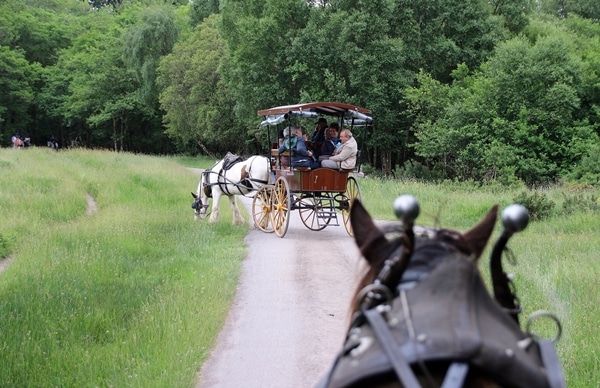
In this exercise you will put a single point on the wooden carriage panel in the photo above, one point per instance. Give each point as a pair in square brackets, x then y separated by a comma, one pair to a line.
[324, 179]
[320, 179]
[293, 178]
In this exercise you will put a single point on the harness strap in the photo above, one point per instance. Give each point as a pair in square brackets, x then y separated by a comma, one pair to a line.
[264, 182]
[456, 374]
[556, 379]
[223, 181]
[387, 341]
[500, 281]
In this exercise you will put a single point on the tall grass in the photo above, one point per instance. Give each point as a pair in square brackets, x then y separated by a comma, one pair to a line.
[133, 295]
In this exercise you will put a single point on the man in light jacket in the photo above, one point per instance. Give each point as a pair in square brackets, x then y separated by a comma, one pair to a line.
[345, 155]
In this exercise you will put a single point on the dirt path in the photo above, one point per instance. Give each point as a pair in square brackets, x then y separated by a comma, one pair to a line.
[289, 317]
[92, 208]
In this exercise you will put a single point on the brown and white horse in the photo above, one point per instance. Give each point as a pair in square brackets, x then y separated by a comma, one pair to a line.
[422, 315]
[231, 176]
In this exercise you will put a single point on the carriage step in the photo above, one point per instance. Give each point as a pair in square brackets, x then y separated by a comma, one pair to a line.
[327, 215]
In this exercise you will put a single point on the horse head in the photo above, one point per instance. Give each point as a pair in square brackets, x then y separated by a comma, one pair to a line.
[200, 204]
[422, 315]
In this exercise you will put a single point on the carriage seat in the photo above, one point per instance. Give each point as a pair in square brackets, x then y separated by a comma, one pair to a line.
[281, 158]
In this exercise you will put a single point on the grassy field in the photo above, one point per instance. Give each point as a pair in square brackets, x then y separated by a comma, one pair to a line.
[135, 294]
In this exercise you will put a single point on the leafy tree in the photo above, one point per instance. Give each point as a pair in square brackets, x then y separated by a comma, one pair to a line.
[17, 88]
[36, 32]
[515, 116]
[90, 76]
[97, 4]
[197, 102]
[201, 9]
[259, 35]
[439, 35]
[145, 44]
[562, 8]
[514, 12]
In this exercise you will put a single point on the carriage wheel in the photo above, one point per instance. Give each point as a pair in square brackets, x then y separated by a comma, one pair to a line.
[352, 193]
[261, 209]
[310, 208]
[280, 207]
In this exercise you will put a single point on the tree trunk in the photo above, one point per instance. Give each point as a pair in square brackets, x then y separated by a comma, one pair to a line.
[386, 163]
[206, 149]
[115, 133]
[122, 134]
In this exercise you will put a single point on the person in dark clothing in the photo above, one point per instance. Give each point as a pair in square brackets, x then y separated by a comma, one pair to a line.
[331, 141]
[319, 136]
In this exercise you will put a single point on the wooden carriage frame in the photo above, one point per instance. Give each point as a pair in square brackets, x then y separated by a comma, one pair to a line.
[318, 194]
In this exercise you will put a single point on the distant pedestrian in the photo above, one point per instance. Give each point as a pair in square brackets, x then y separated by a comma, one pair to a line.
[52, 143]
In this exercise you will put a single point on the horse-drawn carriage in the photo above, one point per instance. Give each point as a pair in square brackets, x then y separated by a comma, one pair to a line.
[320, 195]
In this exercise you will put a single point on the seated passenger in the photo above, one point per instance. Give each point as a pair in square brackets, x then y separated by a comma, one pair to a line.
[331, 141]
[319, 134]
[294, 142]
[345, 155]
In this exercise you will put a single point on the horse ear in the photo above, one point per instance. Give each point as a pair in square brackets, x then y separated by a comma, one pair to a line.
[195, 196]
[479, 235]
[369, 238]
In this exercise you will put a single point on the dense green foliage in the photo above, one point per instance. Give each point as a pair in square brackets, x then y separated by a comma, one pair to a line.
[481, 90]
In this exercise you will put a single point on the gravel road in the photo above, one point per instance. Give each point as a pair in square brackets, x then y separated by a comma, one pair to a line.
[289, 317]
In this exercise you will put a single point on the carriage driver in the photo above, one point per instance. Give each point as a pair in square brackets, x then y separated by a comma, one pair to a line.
[345, 155]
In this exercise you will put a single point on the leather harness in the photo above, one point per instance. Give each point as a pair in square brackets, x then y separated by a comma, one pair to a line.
[222, 181]
[442, 313]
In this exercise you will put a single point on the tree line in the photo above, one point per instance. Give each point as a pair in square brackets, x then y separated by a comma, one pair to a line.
[483, 90]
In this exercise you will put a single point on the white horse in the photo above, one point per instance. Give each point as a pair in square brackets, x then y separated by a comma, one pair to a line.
[231, 176]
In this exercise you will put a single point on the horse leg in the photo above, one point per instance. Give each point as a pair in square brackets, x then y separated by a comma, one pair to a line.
[237, 216]
[214, 214]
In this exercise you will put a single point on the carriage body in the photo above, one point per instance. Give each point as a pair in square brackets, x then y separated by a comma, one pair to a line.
[325, 180]
[318, 194]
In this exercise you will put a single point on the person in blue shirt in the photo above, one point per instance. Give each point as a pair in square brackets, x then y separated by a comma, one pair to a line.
[300, 155]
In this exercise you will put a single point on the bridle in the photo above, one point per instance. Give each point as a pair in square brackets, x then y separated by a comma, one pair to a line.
[374, 307]
[198, 206]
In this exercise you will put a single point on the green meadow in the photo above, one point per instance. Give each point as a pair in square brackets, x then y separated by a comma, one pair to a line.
[110, 282]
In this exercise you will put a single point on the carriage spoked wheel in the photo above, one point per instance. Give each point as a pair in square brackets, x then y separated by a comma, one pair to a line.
[352, 192]
[280, 207]
[315, 212]
[261, 209]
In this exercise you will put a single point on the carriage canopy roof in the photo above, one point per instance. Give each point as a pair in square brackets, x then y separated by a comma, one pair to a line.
[323, 108]
[277, 114]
